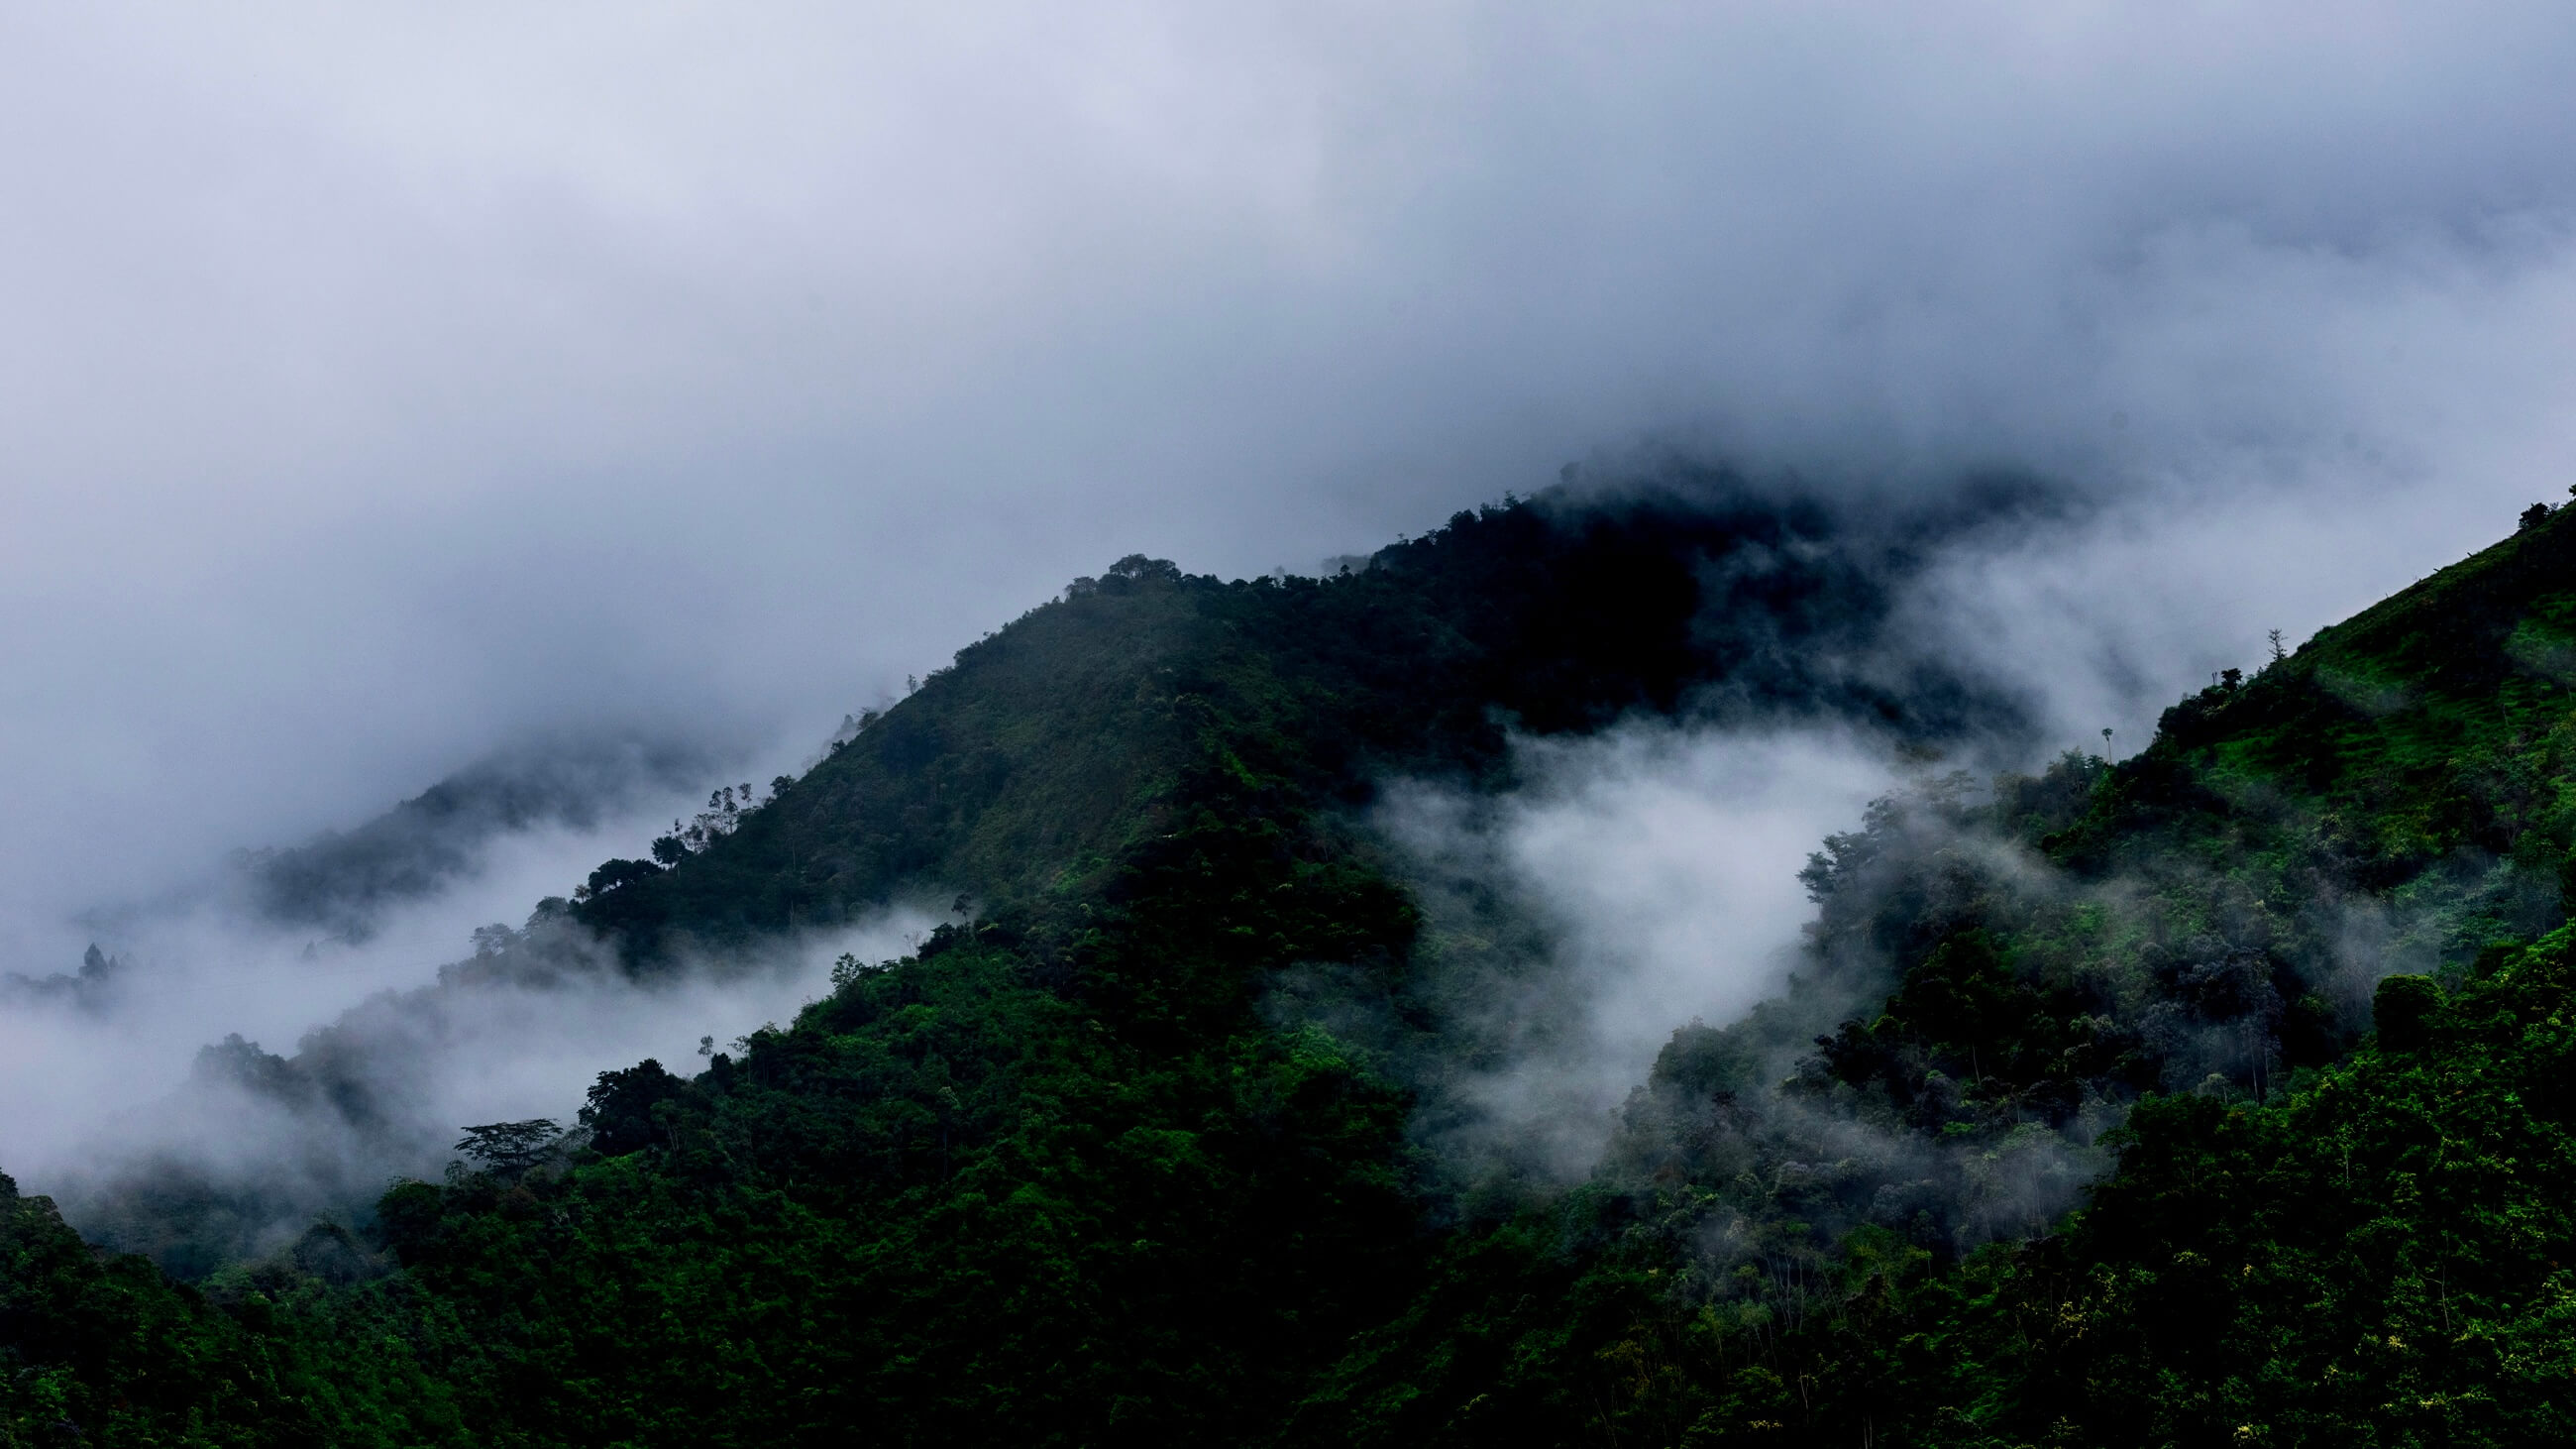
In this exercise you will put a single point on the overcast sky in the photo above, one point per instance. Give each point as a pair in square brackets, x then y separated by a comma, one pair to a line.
[379, 384]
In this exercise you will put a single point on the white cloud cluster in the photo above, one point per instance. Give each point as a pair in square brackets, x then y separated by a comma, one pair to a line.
[1659, 866]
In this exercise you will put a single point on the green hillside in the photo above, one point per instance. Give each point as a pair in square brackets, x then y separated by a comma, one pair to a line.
[1024, 770]
[1848, 1217]
[1082, 1171]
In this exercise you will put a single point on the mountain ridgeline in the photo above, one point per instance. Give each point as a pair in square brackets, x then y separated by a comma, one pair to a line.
[1025, 770]
[2216, 1095]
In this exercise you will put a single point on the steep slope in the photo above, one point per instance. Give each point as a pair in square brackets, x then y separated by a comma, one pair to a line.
[1059, 1178]
[2293, 1244]
[98, 1349]
[344, 882]
[1071, 1174]
[1022, 770]
[1059, 1175]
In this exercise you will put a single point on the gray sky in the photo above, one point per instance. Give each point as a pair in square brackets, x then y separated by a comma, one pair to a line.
[382, 384]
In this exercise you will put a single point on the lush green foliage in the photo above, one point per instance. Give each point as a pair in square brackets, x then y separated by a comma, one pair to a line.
[104, 1350]
[1084, 1170]
[1059, 1176]
[2171, 945]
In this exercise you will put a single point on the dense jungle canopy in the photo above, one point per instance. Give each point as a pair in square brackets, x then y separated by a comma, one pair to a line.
[2221, 1094]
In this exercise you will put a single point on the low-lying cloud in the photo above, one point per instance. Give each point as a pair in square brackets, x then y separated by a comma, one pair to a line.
[228, 1072]
[1637, 880]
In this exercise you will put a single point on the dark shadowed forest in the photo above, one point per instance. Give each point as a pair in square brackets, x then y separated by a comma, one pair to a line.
[2218, 1094]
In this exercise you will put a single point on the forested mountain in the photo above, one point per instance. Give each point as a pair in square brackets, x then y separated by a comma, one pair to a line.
[2287, 989]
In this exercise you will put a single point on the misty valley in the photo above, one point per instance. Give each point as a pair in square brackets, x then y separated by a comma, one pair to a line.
[1602, 972]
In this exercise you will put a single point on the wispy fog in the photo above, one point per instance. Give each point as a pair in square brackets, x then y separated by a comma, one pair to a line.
[341, 1061]
[1654, 872]
[189, 977]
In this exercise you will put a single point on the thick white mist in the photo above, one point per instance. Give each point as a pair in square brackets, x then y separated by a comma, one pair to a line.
[1668, 859]
[1661, 863]
[87, 1089]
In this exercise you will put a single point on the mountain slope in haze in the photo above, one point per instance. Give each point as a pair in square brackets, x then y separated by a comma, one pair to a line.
[342, 882]
[1077, 1171]
[1045, 748]
[1144, 787]
[100, 1349]
[1022, 776]
[2294, 976]
[1181, 1206]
